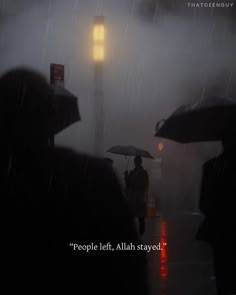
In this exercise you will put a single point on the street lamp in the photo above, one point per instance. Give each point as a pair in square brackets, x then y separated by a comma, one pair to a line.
[98, 59]
[98, 39]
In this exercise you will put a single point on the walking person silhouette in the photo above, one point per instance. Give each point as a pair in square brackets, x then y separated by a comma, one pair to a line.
[137, 185]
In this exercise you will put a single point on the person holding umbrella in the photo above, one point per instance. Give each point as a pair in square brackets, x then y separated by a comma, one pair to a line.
[55, 201]
[213, 119]
[217, 203]
[137, 186]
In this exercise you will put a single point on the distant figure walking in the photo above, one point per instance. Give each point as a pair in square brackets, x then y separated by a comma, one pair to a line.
[217, 203]
[137, 186]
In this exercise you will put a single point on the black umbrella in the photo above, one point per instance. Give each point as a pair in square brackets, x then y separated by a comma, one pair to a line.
[65, 106]
[29, 105]
[206, 120]
[129, 151]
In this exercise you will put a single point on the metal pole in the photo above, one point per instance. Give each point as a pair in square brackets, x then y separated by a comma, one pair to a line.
[98, 110]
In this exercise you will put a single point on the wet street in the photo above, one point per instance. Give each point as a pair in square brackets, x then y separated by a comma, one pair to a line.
[184, 266]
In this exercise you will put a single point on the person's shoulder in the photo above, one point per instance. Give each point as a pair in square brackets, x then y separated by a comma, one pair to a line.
[79, 161]
[213, 163]
[71, 156]
[209, 163]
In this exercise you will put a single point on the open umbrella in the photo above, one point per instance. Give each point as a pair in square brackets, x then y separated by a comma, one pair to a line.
[129, 151]
[65, 106]
[30, 106]
[206, 120]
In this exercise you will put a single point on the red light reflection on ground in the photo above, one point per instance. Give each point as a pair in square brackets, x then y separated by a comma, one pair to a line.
[163, 253]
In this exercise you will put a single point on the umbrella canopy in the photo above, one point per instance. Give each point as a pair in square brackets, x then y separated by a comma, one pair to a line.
[129, 151]
[206, 120]
[31, 109]
[65, 107]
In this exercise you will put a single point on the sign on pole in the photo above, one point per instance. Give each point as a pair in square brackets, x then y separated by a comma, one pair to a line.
[56, 78]
[57, 74]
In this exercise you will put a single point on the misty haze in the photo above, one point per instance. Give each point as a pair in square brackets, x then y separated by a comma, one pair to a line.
[158, 56]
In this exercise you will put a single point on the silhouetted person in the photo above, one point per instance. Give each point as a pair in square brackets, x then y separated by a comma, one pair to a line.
[137, 185]
[52, 198]
[217, 203]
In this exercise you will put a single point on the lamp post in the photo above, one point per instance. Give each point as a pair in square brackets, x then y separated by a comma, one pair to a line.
[98, 59]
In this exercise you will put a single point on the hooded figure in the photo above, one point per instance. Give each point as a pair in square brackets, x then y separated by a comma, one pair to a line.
[217, 203]
[53, 199]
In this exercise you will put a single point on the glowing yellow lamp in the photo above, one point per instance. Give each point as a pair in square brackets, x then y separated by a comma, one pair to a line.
[98, 39]
[98, 33]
